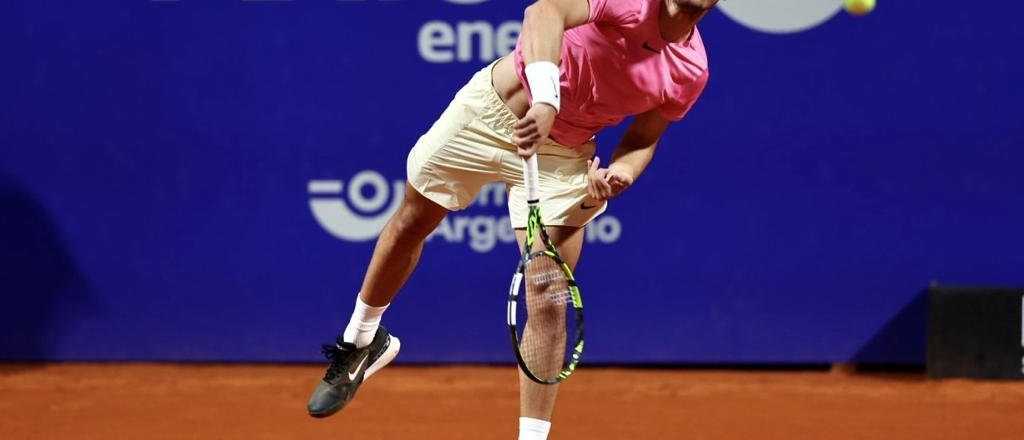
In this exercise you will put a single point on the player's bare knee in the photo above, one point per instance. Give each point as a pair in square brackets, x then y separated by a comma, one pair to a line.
[409, 227]
[416, 217]
[543, 303]
[547, 311]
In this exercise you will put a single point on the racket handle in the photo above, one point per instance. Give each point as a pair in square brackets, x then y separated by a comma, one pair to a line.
[531, 179]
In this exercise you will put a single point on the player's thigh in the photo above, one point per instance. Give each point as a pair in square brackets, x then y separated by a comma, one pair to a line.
[568, 240]
[450, 171]
[459, 153]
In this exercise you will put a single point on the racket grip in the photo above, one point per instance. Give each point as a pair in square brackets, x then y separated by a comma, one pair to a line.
[531, 179]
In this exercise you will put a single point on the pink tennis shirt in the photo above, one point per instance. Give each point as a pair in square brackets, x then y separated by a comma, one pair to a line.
[618, 65]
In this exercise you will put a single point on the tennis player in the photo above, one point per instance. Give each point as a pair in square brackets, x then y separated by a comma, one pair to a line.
[579, 66]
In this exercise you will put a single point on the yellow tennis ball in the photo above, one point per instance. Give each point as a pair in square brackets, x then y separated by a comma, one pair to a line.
[859, 7]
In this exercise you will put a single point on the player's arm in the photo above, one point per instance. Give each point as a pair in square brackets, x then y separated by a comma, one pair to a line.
[630, 159]
[544, 24]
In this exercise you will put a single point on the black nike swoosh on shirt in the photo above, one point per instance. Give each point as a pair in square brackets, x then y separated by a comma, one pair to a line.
[584, 206]
[648, 47]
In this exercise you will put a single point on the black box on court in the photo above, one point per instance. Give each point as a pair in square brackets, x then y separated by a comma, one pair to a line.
[976, 332]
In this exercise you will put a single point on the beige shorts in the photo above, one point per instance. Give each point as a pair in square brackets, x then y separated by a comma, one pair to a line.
[470, 145]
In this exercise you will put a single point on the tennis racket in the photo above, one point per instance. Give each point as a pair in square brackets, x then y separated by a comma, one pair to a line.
[545, 310]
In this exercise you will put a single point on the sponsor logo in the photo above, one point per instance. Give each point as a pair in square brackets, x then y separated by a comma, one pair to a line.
[466, 41]
[343, 222]
[442, 42]
[357, 211]
[781, 16]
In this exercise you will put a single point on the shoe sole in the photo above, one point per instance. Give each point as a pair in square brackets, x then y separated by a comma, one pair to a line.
[389, 355]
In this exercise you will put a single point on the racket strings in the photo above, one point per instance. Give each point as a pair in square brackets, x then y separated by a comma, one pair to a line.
[544, 342]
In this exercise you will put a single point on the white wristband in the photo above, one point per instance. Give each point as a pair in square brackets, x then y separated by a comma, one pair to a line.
[543, 78]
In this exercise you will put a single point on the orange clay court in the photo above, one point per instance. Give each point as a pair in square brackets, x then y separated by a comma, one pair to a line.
[190, 401]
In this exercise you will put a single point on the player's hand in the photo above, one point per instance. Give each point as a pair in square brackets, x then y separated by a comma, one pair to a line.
[533, 129]
[605, 183]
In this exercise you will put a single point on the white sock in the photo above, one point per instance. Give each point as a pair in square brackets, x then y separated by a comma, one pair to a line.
[533, 429]
[363, 324]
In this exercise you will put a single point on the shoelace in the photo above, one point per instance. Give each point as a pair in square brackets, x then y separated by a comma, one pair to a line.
[337, 356]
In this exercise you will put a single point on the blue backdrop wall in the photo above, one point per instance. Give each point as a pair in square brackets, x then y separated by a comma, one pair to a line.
[202, 180]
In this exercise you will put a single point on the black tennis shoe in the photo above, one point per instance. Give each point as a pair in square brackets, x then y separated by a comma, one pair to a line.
[349, 367]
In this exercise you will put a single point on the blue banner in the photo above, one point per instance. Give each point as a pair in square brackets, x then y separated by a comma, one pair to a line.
[204, 180]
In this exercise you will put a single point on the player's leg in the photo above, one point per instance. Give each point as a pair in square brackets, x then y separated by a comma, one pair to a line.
[365, 346]
[566, 210]
[394, 257]
[399, 246]
[536, 401]
[445, 170]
